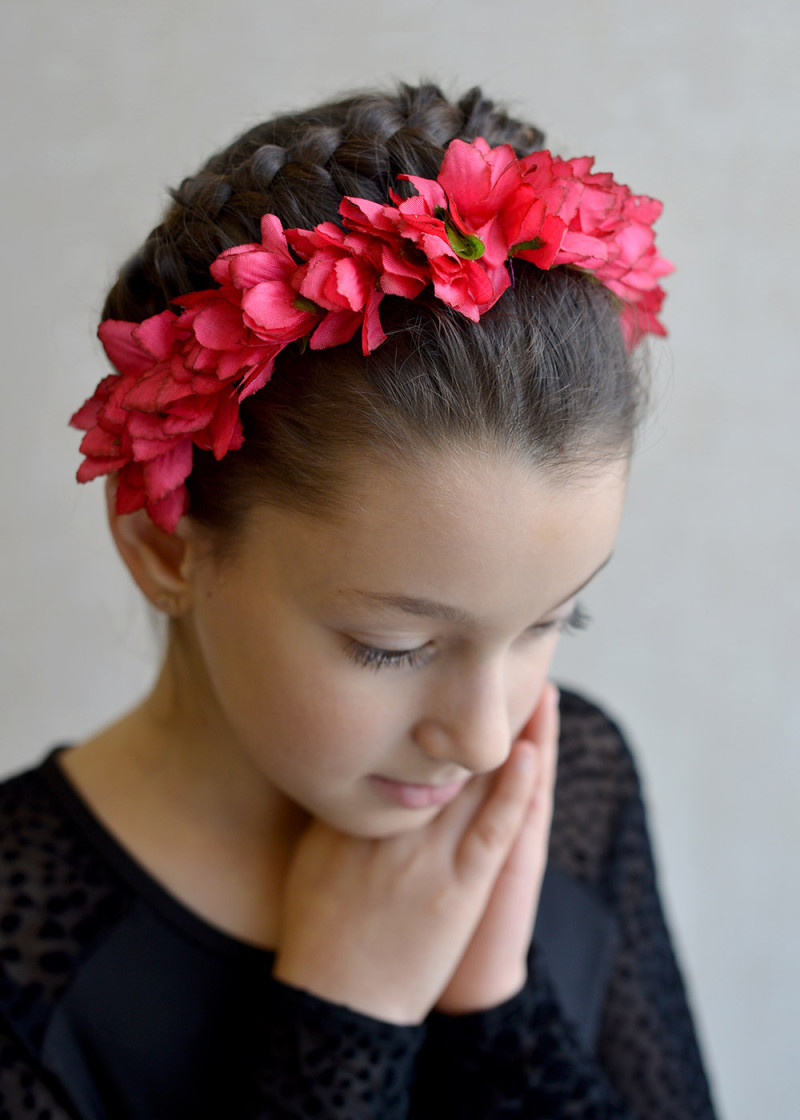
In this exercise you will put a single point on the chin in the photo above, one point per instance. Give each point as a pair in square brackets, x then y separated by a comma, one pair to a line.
[386, 823]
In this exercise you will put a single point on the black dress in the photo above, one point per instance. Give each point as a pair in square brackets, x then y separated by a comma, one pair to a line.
[117, 1002]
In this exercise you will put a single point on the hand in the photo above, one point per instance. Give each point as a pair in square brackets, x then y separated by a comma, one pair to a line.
[493, 968]
[381, 925]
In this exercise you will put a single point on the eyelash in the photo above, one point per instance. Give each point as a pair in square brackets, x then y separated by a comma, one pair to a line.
[578, 619]
[371, 657]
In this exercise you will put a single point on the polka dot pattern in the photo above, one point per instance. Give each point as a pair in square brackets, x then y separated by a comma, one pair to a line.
[310, 1059]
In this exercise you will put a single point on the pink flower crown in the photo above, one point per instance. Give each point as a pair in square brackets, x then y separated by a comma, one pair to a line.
[183, 375]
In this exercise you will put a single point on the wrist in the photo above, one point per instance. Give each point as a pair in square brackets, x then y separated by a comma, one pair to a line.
[486, 995]
[353, 991]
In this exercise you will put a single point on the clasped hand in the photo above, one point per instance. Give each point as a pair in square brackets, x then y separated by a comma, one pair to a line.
[441, 917]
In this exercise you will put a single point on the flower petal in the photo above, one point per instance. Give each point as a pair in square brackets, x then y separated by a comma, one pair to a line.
[336, 328]
[165, 473]
[168, 512]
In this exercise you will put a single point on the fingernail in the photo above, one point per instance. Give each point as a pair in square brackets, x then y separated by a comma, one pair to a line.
[524, 759]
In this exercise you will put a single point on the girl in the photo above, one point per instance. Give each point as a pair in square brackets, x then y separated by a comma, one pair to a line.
[366, 439]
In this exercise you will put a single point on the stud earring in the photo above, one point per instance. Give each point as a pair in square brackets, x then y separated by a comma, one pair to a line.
[167, 603]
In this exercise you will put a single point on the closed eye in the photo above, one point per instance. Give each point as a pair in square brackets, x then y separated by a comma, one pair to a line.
[578, 619]
[375, 658]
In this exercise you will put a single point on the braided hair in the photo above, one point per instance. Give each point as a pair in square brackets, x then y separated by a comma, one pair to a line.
[544, 375]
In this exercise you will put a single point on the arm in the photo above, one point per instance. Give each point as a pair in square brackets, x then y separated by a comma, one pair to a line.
[316, 1058]
[524, 1059]
[371, 932]
[28, 1092]
[647, 1042]
[521, 1060]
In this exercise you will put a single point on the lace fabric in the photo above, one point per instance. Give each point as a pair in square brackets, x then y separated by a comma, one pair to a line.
[70, 899]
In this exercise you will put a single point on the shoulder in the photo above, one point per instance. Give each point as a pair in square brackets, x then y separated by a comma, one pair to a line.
[32, 840]
[56, 895]
[596, 783]
[38, 836]
[591, 741]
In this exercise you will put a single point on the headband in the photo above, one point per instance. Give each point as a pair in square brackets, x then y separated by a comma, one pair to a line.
[182, 374]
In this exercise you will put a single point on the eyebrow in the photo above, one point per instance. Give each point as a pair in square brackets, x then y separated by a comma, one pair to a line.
[444, 612]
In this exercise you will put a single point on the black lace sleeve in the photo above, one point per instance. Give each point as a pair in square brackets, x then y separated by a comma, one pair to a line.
[28, 1092]
[268, 1051]
[520, 1060]
[523, 1060]
[647, 1044]
[317, 1059]
[312, 1059]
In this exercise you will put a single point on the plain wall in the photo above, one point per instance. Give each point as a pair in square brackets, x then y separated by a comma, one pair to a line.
[694, 643]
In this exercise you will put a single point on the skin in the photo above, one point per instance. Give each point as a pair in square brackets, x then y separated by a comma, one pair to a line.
[379, 819]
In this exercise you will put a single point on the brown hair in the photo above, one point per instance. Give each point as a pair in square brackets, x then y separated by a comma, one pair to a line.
[544, 375]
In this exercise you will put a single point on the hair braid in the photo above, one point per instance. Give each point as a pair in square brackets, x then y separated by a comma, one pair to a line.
[544, 374]
[300, 167]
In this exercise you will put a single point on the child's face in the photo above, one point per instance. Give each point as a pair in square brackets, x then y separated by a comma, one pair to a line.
[367, 667]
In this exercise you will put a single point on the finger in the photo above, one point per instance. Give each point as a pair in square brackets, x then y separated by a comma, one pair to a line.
[539, 819]
[488, 839]
[519, 880]
[543, 723]
[548, 741]
[528, 855]
[541, 730]
[456, 816]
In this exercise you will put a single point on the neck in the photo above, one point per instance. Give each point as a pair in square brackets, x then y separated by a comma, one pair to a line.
[200, 818]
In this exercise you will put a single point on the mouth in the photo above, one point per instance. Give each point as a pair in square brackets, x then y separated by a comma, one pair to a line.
[409, 795]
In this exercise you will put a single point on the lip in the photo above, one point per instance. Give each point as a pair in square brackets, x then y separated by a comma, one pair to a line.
[412, 796]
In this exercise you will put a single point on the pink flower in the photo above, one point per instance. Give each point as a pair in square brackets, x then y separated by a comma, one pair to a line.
[489, 199]
[134, 490]
[464, 283]
[259, 281]
[401, 270]
[181, 377]
[204, 362]
[112, 444]
[144, 421]
[349, 271]
[609, 233]
[340, 277]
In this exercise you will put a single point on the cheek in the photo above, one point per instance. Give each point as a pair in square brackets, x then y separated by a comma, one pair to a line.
[289, 693]
[327, 730]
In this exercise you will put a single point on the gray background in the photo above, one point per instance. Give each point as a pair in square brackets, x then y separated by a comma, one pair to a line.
[695, 635]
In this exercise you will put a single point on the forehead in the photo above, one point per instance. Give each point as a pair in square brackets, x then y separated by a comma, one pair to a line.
[484, 535]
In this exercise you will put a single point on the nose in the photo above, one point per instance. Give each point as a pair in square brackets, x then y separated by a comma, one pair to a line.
[468, 722]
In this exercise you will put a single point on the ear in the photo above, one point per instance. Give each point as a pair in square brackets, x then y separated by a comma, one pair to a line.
[158, 561]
